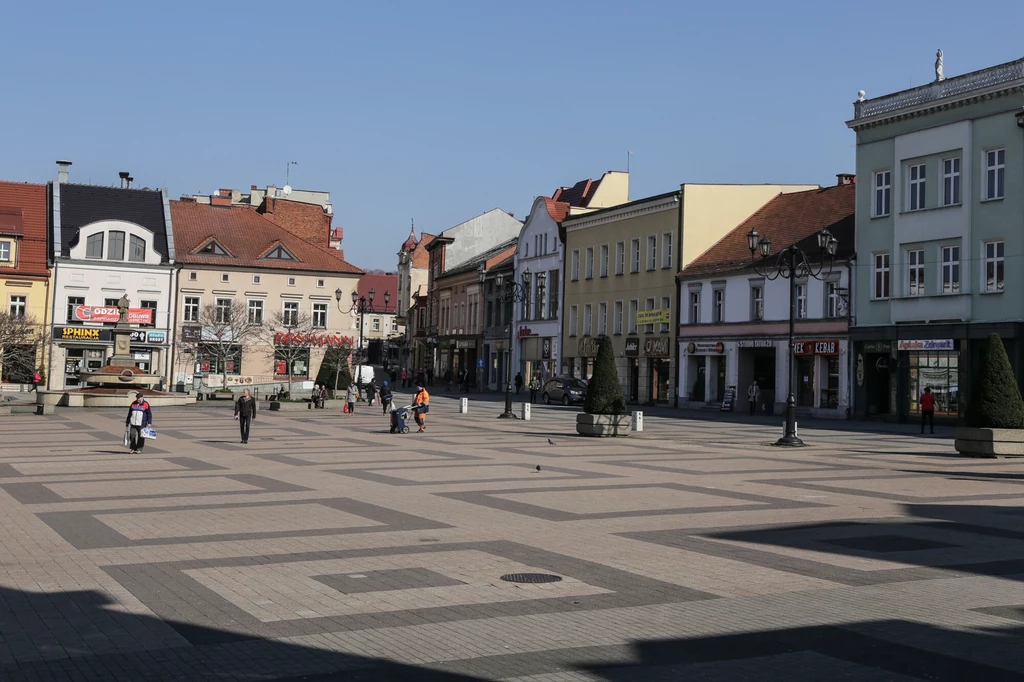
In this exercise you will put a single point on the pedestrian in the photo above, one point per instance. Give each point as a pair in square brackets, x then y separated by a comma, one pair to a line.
[534, 387]
[36, 378]
[394, 376]
[386, 396]
[323, 396]
[519, 382]
[928, 408]
[753, 395]
[448, 381]
[314, 396]
[139, 417]
[351, 396]
[430, 377]
[421, 405]
[405, 378]
[462, 379]
[245, 413]
[371, 392]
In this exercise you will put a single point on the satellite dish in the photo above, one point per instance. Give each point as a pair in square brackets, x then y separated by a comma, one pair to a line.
[286, 190]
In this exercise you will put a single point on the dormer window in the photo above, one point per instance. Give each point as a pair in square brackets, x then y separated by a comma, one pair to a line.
[213, 248]
[136, 249]
[115, 245]
[94, 246]
[278, 252]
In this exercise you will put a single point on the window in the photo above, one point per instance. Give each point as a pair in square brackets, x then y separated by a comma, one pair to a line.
[74, 302]
[620, 258]
[801, 301]
[617, 318]
[719, 305]
[553, 282]
[652, 252]
[376, 324]
[136, 249]
[666, 250]
[150, 305]
[193, 276]
[917, 186]
[757, 302]
[94, 246]
[575, 264]
[222, 310]
[224, 277]
[394, 324]
[694, 307]
[951, 181]
[881, 288]
[602, 318]
[573, 320]
[5, 252]
[631, 319]
[213, 248]
[18, 305]
[649, 305]
[951, 269]
[995, 173]
[320, 315]
[666, 304]
[604, 260]
[590, 263]
[190, 309]
[279, 253]
[291, 281]
[587, 321]
[634, 256]
[290, 315]
[320, 283]
[994, 266]
[915, 266]
[883, 192]
[489, 313]
[831, 299]
[256, 279]
[115, 245]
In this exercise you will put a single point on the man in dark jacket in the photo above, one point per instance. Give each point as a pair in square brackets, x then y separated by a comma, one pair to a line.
[245, 413]
[139, 417]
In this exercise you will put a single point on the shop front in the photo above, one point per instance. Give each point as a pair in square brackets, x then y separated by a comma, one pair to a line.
[873, 378]
[537, 354]
[818, 374]
[659, 369]
[86, 349]
[891, 374]
[632, 373]
[935, 364]
[582, 365]
[702, 377]
[458, 355]
[757, 362]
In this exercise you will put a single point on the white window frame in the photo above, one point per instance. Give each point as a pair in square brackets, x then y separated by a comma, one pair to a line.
[588, 265]
[6, 247]
[604, 260]
[256, 279]
[186, 308]
[617, 317]
[291, 281]
[652, 252]
[21, 302]
[634, 255]
[881, 199]
[620, 258]
[951, 185]
[994, 178]
[881, 264]
[831, 287]
[801, 300]
[321, 283]
[915, 272]
[695, 307]
[376, 324]
[950, 285]
[225, 277]
[249, 308]
[287, 310]
[917, 179]
[574, 319]
[575, 265]
[666, 304]
[314, 311]
[718, 305]
[193, 276]
[757, 302]
[995, 261]
[649, 304]
[631, 315]
[222, 309]
[588, 319]
[602, 318]
[666, 250]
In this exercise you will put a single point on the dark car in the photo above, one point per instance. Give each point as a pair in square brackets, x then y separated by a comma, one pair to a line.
[565, 390]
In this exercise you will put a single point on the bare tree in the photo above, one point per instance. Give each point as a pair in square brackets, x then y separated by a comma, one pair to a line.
[21, 337]
[220, 333]
[291, 334]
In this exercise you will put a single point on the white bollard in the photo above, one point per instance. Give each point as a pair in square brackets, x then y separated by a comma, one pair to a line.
[526, 412]
[638, 421]
[463, 405]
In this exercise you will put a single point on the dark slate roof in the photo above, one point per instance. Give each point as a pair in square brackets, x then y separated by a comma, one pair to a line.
[81, 205]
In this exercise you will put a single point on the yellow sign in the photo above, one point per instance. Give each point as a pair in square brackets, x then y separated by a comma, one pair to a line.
[653, 316]
[80, 334]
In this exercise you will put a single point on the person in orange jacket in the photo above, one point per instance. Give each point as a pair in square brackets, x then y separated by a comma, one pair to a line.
[421, 405]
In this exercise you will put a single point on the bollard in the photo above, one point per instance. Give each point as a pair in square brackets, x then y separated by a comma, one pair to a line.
[796, 431]
[463, 405]
[526, 412]
[638, 421]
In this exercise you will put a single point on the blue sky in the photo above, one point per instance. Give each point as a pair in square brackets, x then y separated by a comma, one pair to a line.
[440, 111]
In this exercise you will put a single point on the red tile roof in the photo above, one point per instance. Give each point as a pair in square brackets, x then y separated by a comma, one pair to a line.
[380, 284]
[787, 219]
[557, 209]
[420, 257]
[580, 194]
[308, 221]
[23, 212]
[246, 234]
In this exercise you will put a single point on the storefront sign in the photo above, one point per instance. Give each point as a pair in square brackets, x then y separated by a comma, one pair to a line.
[332, 340]
[81, 334]
[660, 316]
[632, 347]
[137, 337]
[465, 343]
[191, 333]
[656, 347]
[110, 313]
[729, 400]
[524, 331]
[878, 346]
[545, 349]
[705, 348]
[925, 344]
[756, 343]
[155, 337]
[830, 347]
[587, 347]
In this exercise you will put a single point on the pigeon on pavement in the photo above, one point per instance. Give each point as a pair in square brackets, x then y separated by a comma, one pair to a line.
[550, 442]
[538, 467]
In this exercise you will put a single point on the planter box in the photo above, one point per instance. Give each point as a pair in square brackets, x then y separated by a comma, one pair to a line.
[989, 442]
[603, 425]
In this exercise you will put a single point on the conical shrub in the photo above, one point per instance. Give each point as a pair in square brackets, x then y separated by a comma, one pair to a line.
[995, 401]
[604, 395]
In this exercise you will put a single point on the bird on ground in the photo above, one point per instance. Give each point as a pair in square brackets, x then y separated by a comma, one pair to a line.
[538, 467]
[550, 442]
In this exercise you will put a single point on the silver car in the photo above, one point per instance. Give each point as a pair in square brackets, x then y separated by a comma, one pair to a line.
[565, 390]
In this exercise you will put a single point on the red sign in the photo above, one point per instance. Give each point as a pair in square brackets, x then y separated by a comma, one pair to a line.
[280, 367]
[829, 347]
[285, 339]
[204, 366]
[525, 331]
[110, 313]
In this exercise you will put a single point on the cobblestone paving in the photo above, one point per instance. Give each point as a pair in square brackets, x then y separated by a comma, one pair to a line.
[329, 549]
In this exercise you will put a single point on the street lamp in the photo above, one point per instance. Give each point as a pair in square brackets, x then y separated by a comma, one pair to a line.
[512, 292]
[792, 263]
[362, 305]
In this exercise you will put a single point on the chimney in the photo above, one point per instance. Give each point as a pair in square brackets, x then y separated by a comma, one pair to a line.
[124, 179]
[130, 181]
[846, 179]
[221, 197]
[62, 171]
[252, 187]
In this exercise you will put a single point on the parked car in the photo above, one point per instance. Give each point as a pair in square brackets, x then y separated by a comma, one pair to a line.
[362, 374]
[565, 390]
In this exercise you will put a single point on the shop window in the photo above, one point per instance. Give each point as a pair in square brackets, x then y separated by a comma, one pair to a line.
[291, 361]
[830, 391]
[938, 370]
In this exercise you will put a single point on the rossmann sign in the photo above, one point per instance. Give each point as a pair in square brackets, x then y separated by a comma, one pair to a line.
[289, 339]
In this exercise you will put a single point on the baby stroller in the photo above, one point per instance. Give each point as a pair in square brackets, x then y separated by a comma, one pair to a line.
[398, 418]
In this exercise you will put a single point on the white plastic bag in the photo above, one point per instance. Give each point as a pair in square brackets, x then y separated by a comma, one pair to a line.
[127, 439]
[149, 433]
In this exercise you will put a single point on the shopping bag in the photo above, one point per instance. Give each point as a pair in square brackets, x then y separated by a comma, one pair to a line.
[149, 433]
[127, 439]
[344, 409]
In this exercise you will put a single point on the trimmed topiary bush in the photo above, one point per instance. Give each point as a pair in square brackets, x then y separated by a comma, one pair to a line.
[604, 395]
[995, 401]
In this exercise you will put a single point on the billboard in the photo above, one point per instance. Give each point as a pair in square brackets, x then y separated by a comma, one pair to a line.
[110, 313]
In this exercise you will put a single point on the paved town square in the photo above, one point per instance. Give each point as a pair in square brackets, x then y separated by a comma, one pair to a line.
[328, 548]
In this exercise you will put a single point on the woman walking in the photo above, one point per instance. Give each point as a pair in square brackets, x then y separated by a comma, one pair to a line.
[351, 396]
[371, 392]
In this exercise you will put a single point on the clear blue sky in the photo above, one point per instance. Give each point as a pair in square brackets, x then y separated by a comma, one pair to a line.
[441, 111]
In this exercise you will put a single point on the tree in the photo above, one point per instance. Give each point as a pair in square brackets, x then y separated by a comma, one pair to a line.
[604, 395]
[290, 334]
[224, 328]
[995, 401]
[335, 370]
[21, 337]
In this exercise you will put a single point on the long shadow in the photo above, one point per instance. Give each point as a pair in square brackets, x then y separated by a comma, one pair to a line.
[75, 635]
[969, 475]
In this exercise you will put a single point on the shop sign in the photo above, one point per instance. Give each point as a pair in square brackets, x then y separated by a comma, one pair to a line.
[191, 333]
[239, 379]
[632, 347]
[332, 340]
[830, 347]
[660, 316]
[878, 346]
[525, 331]
[82, 334]
[587, 347]
[155, 337]
[545, 349]
[925, 344]
[110, 313]
[137, 337]
[656, 347]
[705, 348]
[465, 343]
[756, 343]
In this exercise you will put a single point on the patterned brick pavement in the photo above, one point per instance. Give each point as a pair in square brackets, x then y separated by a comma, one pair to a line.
[329, 549]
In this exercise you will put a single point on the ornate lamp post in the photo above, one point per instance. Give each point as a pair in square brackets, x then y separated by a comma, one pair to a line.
[362, 305]
[510, 291]
[792, 263]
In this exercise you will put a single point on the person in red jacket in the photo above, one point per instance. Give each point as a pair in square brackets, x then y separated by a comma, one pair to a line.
[928, 408]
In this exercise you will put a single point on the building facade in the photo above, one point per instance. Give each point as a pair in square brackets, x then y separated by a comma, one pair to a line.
[413, 269]
[734, 320]
[939, 221]
[497, 324]
[382, 332]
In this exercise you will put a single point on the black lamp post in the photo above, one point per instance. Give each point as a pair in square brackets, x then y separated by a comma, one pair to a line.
[792, 263]
[362, 305]
[512, 292]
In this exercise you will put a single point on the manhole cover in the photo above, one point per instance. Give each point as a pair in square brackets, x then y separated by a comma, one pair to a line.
[531, 578]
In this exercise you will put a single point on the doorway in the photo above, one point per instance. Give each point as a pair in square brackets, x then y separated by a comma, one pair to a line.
[634, 380]
[805, 381]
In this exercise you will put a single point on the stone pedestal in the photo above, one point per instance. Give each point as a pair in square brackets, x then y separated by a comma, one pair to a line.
[603, 425]
[989, 442]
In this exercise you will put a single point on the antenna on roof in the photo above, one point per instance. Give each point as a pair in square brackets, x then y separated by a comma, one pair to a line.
[287, 171]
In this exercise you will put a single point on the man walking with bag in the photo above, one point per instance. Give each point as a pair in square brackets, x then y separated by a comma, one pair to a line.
[245, 413]
[140, 416]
